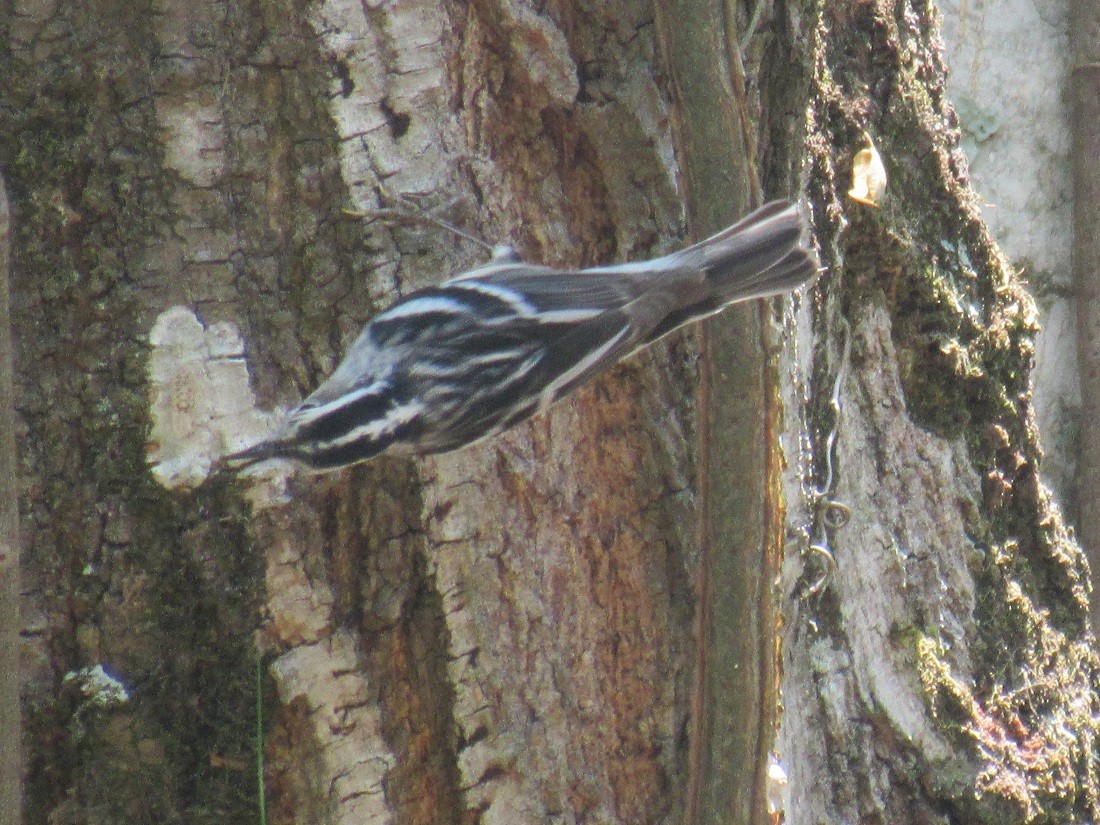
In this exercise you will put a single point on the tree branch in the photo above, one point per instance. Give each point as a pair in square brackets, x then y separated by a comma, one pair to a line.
[1085, 108]
[10, 728]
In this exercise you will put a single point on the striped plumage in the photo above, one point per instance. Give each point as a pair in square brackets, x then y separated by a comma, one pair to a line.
[451, 364]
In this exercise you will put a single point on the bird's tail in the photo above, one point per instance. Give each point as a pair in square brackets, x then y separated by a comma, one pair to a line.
[766, 253]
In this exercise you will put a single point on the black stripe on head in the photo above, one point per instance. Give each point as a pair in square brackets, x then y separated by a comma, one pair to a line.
[345, 417]
[343, 455]
[365, 424]
[490, 300]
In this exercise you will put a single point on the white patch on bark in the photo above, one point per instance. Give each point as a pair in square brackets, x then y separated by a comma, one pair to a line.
[321, 668]
[299, 607]
[192, 132]
[394, 66]
[479, 703]
[389, 107]
[201, 404]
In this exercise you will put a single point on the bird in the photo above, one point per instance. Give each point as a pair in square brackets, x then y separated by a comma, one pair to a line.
[449, 365]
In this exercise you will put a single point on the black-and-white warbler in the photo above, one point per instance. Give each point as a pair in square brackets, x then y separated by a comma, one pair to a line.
[451, 364]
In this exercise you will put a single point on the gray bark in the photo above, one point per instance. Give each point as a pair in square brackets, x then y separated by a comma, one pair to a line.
[1015, 131]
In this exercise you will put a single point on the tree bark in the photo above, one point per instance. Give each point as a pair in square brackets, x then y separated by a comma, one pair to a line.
[508, 633]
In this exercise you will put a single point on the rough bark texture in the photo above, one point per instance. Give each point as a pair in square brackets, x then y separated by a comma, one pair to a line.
[944, 673]
[505, 635]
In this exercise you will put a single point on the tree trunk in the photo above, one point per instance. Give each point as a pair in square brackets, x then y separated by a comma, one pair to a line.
[938, 667]
[513, 632]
